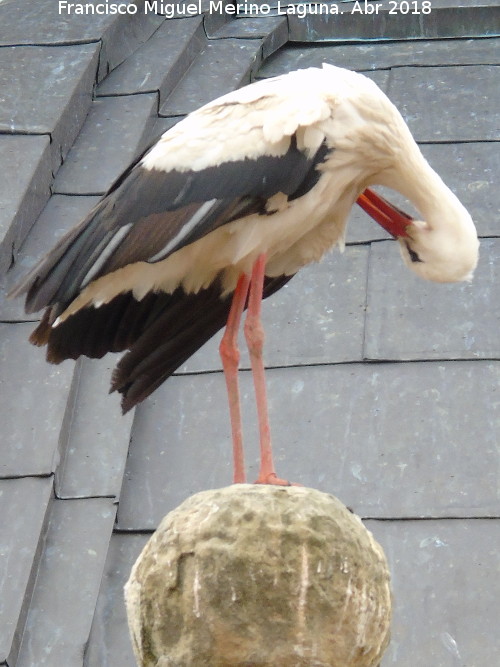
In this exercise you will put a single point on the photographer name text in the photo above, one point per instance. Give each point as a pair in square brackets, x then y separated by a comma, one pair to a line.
[171, 9]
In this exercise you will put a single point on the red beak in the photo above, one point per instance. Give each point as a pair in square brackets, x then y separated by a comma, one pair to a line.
[388, 216]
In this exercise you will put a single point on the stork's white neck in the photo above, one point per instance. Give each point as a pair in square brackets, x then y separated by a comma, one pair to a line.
[445, 240]
[415, 179]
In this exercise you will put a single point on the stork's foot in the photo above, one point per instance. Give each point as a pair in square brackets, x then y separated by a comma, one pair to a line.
[273, 479]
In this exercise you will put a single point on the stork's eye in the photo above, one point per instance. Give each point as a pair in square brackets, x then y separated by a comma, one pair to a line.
[413, 255]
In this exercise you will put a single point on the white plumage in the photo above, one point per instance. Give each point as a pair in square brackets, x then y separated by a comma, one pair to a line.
[371, 145]
[271, 170]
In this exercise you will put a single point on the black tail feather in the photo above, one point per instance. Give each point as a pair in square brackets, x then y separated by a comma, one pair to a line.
[171, 339]
[161, 332]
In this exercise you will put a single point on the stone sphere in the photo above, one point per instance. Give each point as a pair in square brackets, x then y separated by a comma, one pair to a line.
[253, 576]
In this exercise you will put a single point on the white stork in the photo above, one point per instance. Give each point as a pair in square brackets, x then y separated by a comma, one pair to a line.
[234, 200]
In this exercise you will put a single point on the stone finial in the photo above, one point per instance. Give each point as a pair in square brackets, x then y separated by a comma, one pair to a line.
[261, 576]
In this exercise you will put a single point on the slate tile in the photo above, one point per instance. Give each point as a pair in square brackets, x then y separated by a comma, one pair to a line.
[33, 404]
[213, 20]
[109, 642]
[409, 318]
[446, 591]
[472, 171]
[162, 125]
[448, 103]
[63, 602]
[446, 19]
[390, 440]
[59, 215]
[24, 190]
[124, 35]
[273, 30]
[68, 74]
[317, 318]
[373, 56]
[42, 23]
[97, 440]
[160, 63]
[223, 65]
[361, 228]
[114, 134]
[23, 508]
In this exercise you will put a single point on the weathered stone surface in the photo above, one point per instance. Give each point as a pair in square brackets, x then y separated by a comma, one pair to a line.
[258, 576]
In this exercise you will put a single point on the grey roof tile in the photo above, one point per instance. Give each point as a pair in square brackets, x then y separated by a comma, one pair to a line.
[162, 125]
[160, 63]
[380, 77]
[391, 440]
[97, 437]
[23, 508]
[60, 615]
[68, 74]
[24, 189]
[114, 134]
[370, 56]
[41, 23]
[273, 30]
[448, 103]
[59, 215]
[224, 64]
[409, 318]
[30, 426]
[109, 642]
[447, 18]
[472, 171]
[445, 590]
[317, 318]
[213, 18]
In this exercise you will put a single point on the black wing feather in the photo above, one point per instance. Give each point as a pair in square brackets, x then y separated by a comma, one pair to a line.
[155, 205]
[154, 357]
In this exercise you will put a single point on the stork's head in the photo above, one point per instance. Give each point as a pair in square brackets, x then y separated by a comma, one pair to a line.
[444, 249]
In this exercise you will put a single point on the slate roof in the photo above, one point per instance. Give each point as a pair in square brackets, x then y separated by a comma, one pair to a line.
[384, 390]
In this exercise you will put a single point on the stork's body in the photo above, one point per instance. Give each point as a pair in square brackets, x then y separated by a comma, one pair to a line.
[257, 183]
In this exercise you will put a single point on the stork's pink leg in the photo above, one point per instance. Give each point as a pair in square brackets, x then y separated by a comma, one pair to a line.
[230, 356]
[254, 334]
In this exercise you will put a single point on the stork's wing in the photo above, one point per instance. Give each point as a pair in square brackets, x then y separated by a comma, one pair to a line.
[221, 163]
